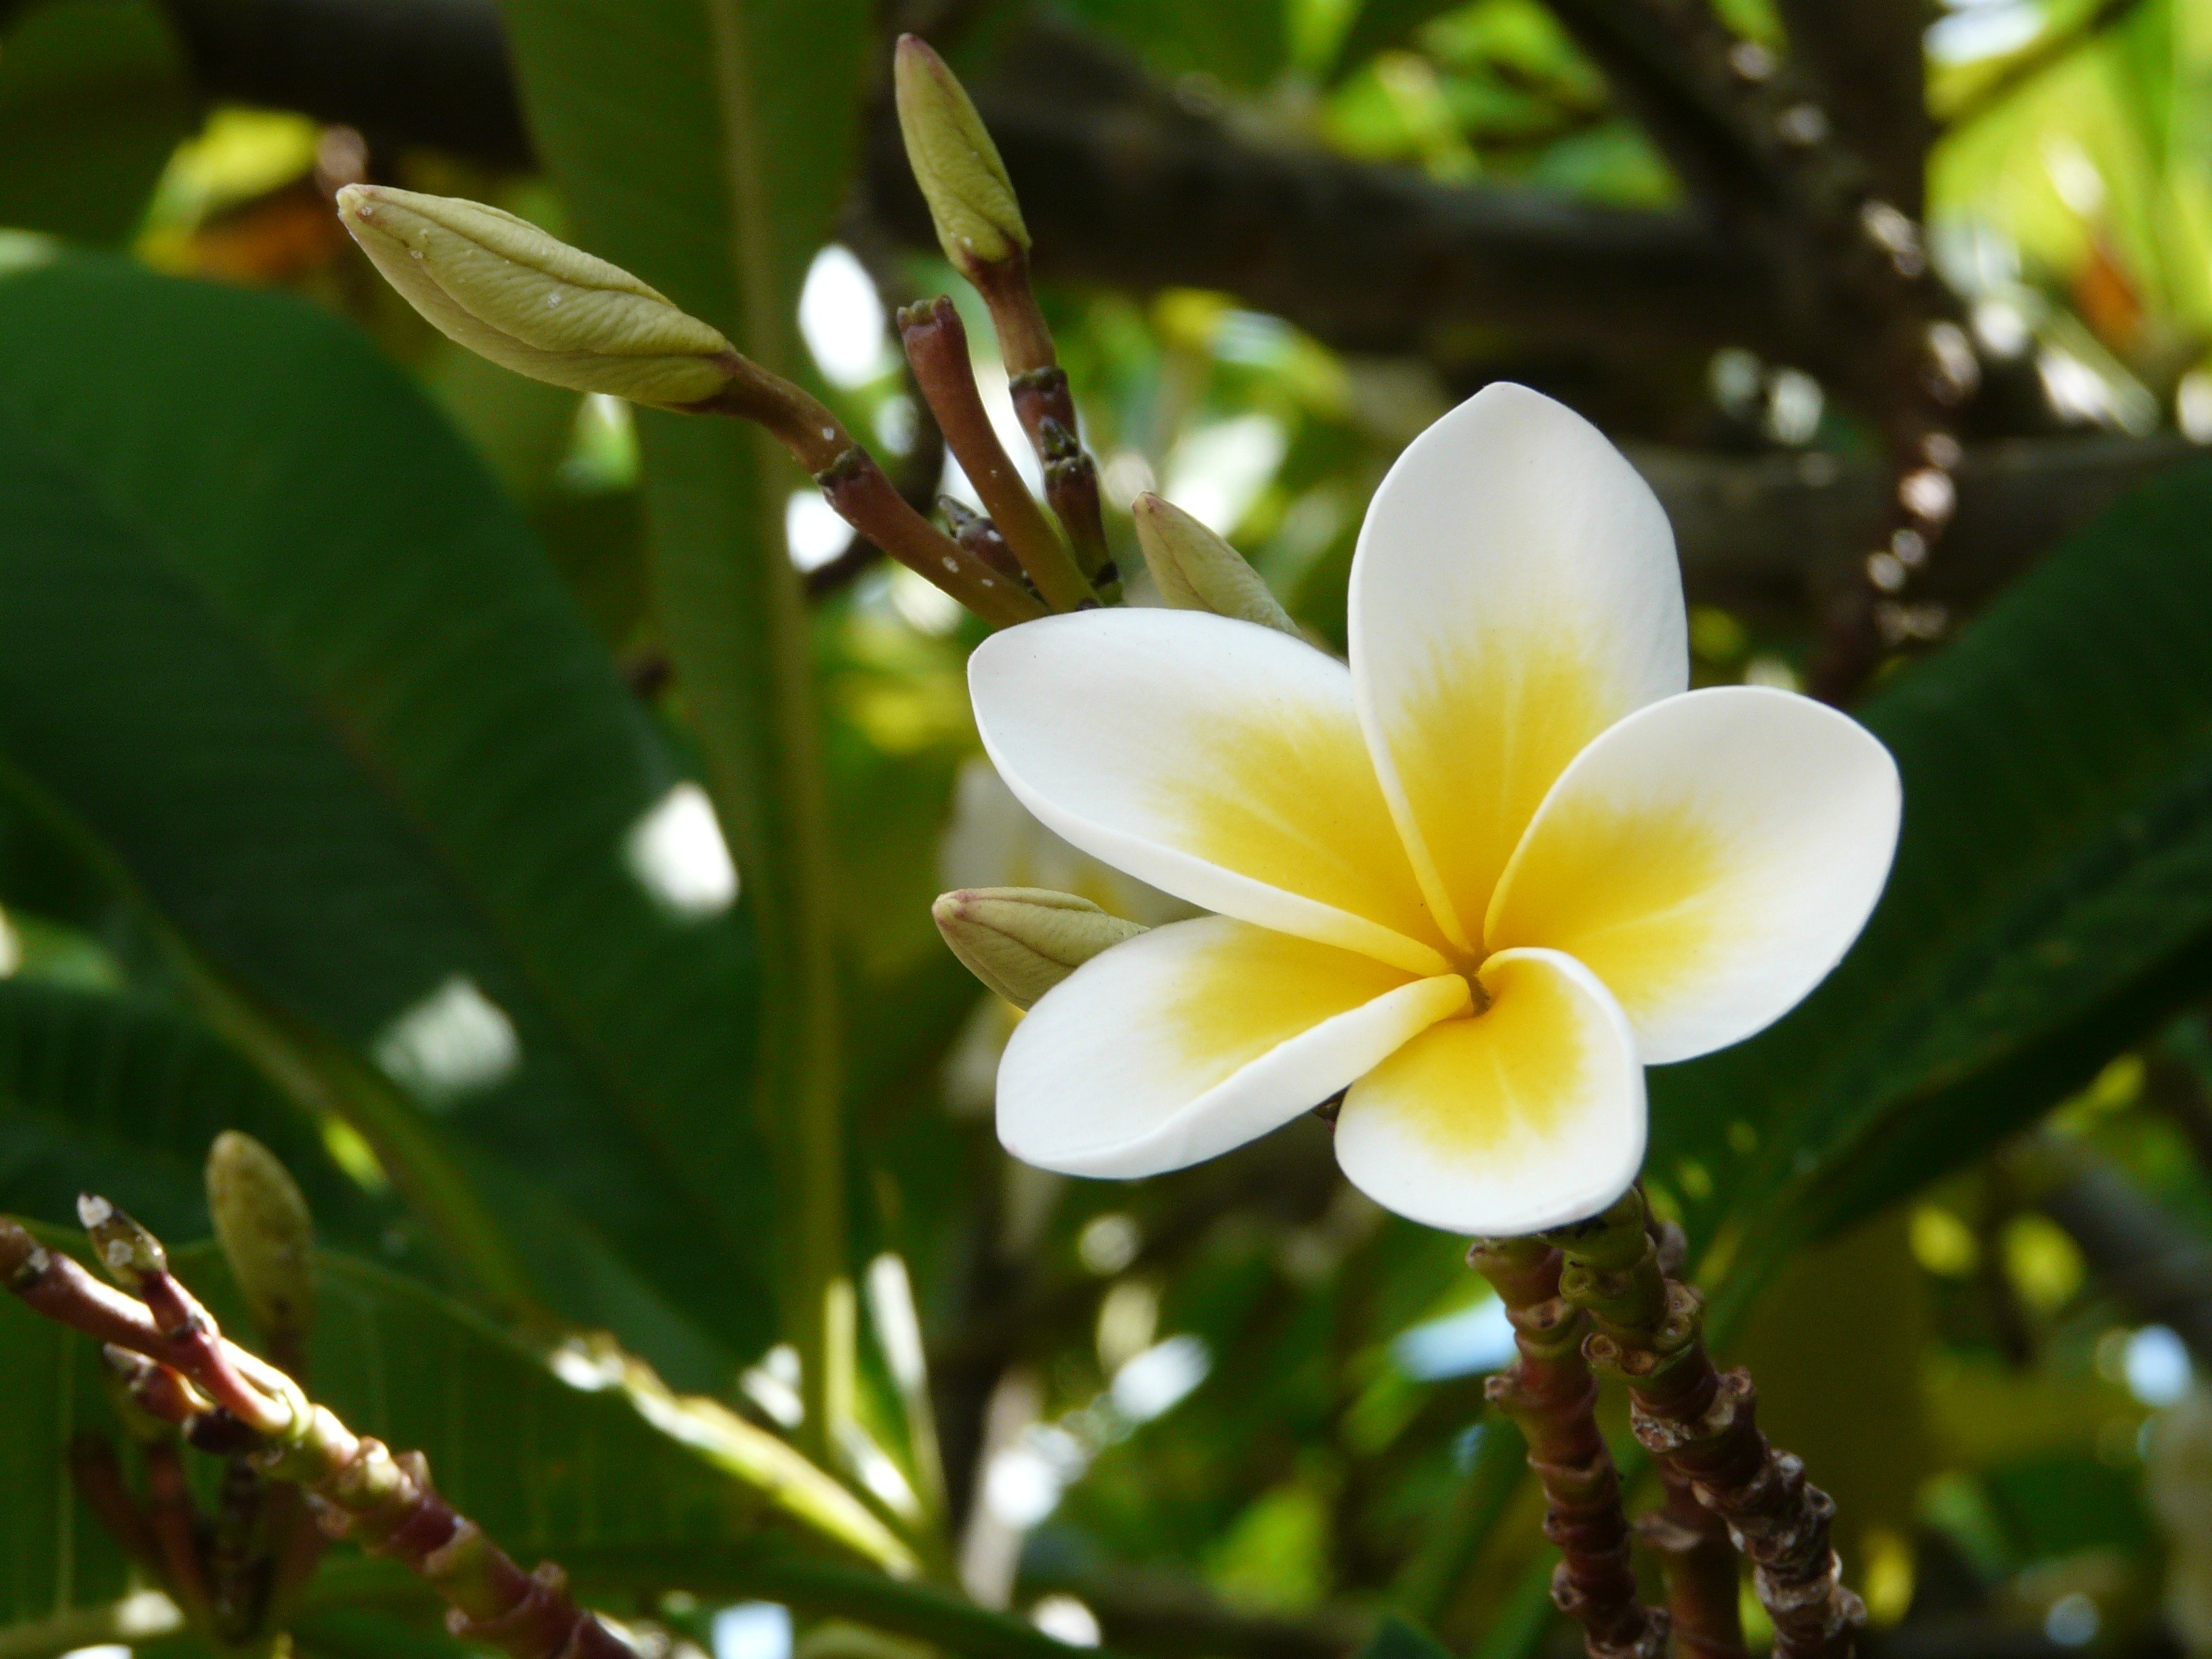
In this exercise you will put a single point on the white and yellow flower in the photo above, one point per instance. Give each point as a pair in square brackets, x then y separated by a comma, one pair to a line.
[1480, 877]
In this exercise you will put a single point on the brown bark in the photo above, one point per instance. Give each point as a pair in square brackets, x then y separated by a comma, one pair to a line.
[1700, 1423]
[1700, 1567]
[1548, 1391]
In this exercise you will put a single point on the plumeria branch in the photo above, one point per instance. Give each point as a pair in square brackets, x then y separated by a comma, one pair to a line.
[1698, 1423]
[1700, 1568]
[937, 347]
[852, 482]
[1548, 1391]
[978, 221]
[359, 1488]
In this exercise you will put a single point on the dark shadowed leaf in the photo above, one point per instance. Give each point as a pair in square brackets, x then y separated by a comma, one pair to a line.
[2052, 902]
[274, 648]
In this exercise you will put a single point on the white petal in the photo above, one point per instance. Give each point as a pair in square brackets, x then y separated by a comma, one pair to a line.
[1515, 593]
[1197, 1037]
[1710, 859]
[1526, 1115]
[1218, 761]
[993, 841]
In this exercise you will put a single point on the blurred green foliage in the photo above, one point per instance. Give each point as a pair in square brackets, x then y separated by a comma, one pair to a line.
[378, 733]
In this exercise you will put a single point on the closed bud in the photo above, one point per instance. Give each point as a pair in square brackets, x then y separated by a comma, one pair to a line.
[507, 291]
[971, 200]
[126, 1251]
[1196, 570]
[267, 1234]
[1022, 941]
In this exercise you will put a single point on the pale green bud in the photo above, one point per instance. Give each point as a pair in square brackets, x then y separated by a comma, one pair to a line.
[507, 291]
[971, 200]
[267, 1234]
[1022, 941]
[1196, 570]
[127, 1251]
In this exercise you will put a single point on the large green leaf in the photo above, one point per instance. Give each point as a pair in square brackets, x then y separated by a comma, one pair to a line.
[2052, 902]
[548, 1469]
[276, 649]
[122, 1095]
[704, 144]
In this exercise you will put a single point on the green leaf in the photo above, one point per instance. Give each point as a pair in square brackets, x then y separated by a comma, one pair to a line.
[1379, 24]
[1396, 1639]
[547, 1468]
[278, 653]
[123, 1096]
[93, 96]
[2052, 901]
[703, 144]
[1244, 43]
[53, 1556]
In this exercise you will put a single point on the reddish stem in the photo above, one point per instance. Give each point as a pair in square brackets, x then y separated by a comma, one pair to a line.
[937, 348]
[359, 1488]
[1549, 1392]
[856, 486]
[1700, 1568]
[1699, 1423]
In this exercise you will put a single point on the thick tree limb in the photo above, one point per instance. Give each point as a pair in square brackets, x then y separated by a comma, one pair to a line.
[430, 72]
[1766, 532]
[1871, 66]
[1124, 185]
[1120, 184]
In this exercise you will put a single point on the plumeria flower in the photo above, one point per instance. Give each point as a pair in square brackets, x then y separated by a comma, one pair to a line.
[1479, 879]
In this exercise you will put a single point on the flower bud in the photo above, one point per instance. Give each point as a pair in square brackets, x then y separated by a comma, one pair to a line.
[127, 1251]
[267, 1234]
[1022, 941]
[1196, 570]
[971, 200]
[507, 291]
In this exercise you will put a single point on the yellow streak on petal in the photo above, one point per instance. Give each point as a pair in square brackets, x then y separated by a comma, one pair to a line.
[1293, 802]
[1640, 899]
[1500, 1080]
[1264, 990]
[1486, 736]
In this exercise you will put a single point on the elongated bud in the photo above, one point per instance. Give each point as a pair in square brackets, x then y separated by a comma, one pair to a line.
[507, 291]
[971, 200]
[126, 1251]
[1022, 941]
[1196, 570]
[979, 536]
[267, 1234]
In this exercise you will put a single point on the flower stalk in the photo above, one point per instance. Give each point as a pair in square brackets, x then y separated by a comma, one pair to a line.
[1700, 1569]
[852, 482]
[1549, 1393]
[937, 347]
[504, 289]
[981, 537]
[1699, 1423]
[979, 224]
[358, 1488]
